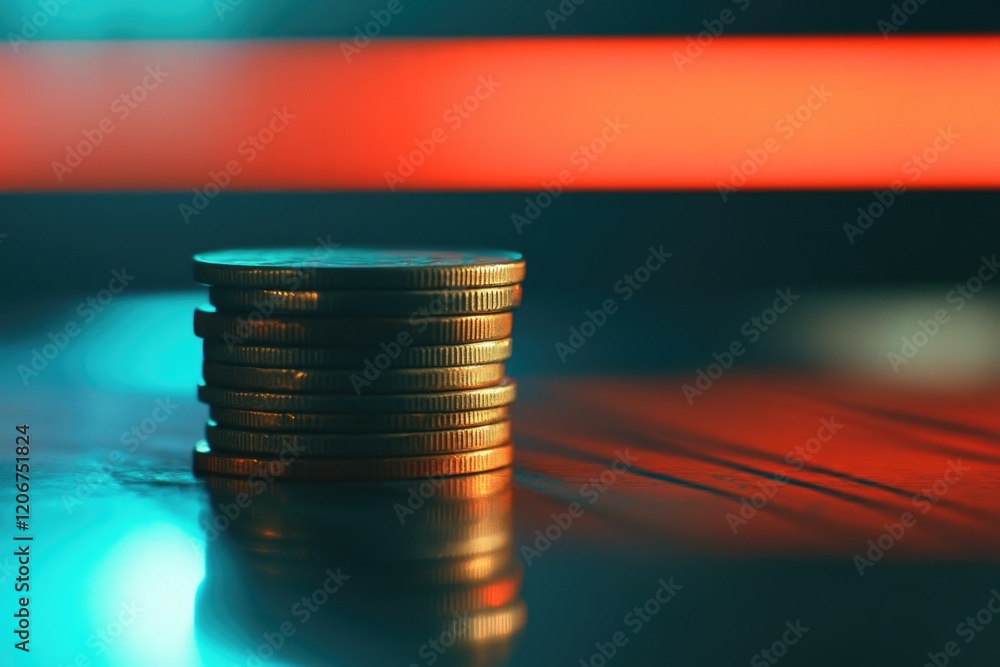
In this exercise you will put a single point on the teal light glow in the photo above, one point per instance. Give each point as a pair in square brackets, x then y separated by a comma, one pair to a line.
[146, 343]
[155, 569]
[110, 18]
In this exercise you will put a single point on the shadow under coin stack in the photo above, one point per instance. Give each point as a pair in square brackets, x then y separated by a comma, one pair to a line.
[356, 364]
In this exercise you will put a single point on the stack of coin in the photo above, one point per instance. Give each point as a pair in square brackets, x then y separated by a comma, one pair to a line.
[356, 364]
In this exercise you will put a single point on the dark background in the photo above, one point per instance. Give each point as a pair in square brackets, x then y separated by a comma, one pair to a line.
[583, 242]
[728, 257]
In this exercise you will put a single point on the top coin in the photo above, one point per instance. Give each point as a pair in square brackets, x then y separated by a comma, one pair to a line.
[357, 268]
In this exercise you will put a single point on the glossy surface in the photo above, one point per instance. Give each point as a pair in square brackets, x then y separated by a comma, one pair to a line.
[620, 491]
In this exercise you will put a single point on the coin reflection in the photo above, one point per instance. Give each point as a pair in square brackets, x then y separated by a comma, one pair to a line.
[410, 573]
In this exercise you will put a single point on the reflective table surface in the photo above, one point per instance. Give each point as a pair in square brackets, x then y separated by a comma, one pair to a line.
[801, 519]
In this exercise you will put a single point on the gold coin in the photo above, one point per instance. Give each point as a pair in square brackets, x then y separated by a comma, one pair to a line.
[338, 498]
[389, 355]
[348, 423]
[367, 302]
[450, 401]
[317, 331]
[404, 380]
[309, 445]
[207, 461]
[358, 268]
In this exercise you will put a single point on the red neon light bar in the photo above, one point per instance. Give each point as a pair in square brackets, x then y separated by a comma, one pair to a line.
[744, 113]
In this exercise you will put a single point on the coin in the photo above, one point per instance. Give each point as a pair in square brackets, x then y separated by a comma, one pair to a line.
[451, 401]
[358, 268]
[391, 355]
[350, 332]
[357, 382]
[331, 499]
[421, 443]
[348, 423]
[208, 461]
[367, 302]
